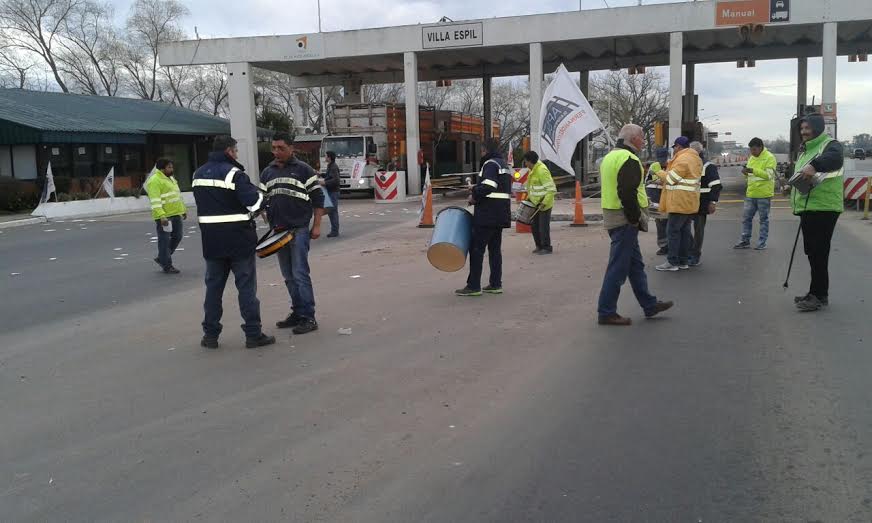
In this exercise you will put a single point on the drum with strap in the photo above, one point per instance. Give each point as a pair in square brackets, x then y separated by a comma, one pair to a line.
[526, 212]
[271, 242]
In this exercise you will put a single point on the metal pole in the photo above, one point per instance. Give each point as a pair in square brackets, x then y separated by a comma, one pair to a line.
[319, 16]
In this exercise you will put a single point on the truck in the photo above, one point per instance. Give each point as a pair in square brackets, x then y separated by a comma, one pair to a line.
[376, 133]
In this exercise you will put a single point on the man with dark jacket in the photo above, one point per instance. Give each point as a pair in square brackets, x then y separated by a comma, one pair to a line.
[294, 198]
[227, 202]
[331, 184]
[654, 188]
[625, 213]
[493, 213]
[709, 193]
[821, 159]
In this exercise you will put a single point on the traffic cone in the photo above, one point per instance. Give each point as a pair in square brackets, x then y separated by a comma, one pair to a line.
[426, 221]
[578, 220]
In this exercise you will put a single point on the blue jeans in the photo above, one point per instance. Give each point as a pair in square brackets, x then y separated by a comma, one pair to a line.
[333, 213]
[625, 261]
[245, 274]
[167, 242]
[752, 207]
[680, 238]
[294, 264]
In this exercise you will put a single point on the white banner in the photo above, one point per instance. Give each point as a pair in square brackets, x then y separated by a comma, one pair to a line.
[357, 171]
[49, 186]
[109, 183]
[424, 192]
[566, 119]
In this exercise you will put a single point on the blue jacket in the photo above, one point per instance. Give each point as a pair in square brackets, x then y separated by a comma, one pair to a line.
[226, 203]
[492, 194]
[293, 191]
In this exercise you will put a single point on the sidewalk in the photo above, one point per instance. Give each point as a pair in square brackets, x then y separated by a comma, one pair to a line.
[17, 220]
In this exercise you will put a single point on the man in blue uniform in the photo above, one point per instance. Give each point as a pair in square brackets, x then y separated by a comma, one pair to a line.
[227, 202]
[493, 213]
[294, 199]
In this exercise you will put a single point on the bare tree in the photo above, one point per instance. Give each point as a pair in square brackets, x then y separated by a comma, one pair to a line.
[212, 84]
[468, 96]
[383, 93]
[35, 26]
[433, 95]
[642, 99]
[89, 55]
[511, 108]
[15, 69]
[150, 24]
[317, 105]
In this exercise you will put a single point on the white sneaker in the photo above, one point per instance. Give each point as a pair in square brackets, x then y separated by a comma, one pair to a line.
[667, 267]
[684, 267]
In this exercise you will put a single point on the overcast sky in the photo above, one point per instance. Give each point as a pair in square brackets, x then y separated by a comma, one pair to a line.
[747, 102]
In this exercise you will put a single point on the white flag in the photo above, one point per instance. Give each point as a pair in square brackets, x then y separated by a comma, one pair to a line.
[357, 170]
[424, 192]
[109, 183]
[566, 119]
[510, 159]
[49, 186]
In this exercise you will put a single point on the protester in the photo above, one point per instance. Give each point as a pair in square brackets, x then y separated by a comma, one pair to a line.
[654, 187]
[760, 175]
[227, 202]
[709, 193]
[295, 200]
[493, 212]
[680, 200]
[541, 190]
[625, 207]
[167, 210]
[822, 158]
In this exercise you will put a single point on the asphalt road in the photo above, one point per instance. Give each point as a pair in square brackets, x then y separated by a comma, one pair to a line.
[731, 408]
[63, 269]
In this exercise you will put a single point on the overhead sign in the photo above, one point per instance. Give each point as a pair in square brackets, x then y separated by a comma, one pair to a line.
[712, 135]
[305, 47]
[452, 35]
[779, 11]
[741, 12]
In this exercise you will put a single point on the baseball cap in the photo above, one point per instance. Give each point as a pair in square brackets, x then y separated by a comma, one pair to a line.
[682, 141]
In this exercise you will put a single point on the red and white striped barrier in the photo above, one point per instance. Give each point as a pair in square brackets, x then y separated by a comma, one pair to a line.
[390, 187]
[855, 187]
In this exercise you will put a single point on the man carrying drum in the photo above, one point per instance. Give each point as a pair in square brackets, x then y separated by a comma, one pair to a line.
[493, 213]
[294, 198]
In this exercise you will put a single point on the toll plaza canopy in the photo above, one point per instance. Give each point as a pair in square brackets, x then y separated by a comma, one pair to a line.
[677, 35]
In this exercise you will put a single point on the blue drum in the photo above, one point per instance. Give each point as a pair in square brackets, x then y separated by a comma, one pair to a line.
[450, 242]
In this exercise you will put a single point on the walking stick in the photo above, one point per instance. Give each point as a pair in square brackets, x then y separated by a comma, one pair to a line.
[795, 243]
[792, 254]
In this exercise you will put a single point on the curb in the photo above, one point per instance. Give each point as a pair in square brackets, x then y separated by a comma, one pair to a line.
[22, 222]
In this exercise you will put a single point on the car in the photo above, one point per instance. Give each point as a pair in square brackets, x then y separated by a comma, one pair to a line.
[859, 154]
[779, 4]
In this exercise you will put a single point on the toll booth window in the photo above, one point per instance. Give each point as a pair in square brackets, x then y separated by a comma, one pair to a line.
[344, 147]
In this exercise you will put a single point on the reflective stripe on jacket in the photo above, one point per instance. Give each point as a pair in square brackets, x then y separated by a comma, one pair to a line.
[164, 195]
[825, 155]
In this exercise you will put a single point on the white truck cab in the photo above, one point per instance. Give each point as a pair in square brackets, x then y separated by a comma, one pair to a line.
[350, 149]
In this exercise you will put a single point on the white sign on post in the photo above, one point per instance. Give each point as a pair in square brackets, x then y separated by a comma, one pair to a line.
[357, 172]
[452, 35]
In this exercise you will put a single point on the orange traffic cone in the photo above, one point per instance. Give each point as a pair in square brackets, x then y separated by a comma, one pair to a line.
[426, 221]
[578, 220]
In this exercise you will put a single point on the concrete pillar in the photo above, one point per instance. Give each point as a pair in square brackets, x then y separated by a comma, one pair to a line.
[487, 107]
[413, 138]
[536, 79]
[676, 48]
[801, 83]
[689, 91]
[581, 166]
[828, 93]
[243, 124]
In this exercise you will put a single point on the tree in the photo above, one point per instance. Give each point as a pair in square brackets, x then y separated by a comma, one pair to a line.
[15, 69]
[90, 49]
[468, 96]
[863, 141]
[510, 105]
[641, 99]
[150, 24]
[433, 95]
[383, 93]
[35, 26]
[780, 145]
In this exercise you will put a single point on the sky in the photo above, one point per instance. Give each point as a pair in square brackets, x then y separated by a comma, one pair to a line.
[746, 102]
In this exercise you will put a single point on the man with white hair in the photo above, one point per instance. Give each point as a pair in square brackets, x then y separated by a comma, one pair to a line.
[709, 193]
[625, 207]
